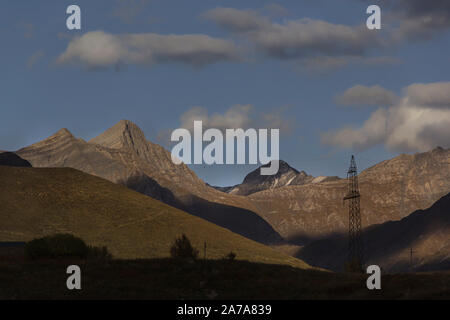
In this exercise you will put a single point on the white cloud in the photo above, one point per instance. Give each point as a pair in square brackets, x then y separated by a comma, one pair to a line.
[360, 95]
[433, 94]
[404, 126]
[410, 125]
[100, 49]
[371, 133]
[235, 117]
[238, 21]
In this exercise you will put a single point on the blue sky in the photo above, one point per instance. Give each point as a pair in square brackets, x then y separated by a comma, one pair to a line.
[296, 80]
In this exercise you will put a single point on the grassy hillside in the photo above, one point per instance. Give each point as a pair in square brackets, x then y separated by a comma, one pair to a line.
[42, 201]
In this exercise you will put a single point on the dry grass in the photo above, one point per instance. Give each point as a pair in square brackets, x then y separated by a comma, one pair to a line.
[36, 202]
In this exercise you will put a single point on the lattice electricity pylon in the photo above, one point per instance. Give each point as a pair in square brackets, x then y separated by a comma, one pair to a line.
[355, 243]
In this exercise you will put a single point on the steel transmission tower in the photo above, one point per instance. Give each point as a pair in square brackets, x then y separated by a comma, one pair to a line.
[355, 243]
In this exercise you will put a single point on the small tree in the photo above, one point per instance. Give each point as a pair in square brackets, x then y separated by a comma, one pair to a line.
[182, 249]
[231, 256]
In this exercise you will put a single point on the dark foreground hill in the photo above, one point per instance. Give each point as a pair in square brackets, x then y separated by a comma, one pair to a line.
[41, 201]
[425, 232]
[221, 280]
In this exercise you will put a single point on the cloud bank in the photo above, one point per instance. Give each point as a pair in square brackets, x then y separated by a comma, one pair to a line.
[300, 39]
[419, 121]
[99, 49]
[312, 43]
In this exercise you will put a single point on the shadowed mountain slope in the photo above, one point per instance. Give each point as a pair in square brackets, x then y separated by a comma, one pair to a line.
[13, 160]
[43, 201]
[426, 232]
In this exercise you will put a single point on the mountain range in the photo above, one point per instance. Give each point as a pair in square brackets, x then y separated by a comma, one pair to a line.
[290, 207]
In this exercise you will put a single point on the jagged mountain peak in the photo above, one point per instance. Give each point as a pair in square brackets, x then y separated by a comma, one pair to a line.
[127, 136]
[283, 169]
[125, 133]
[64, 132]
[286, 176]
[255, 182]
[62, 136]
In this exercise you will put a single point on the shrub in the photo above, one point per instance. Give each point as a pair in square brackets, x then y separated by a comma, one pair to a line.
[182, 249]
[56, 246]
[231, 256]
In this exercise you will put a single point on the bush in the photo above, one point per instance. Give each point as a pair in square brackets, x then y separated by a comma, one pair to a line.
[231, 256]
[182, 249]
[56, 246]
[64, 246]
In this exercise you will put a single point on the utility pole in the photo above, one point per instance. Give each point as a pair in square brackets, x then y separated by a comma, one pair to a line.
[355, 243]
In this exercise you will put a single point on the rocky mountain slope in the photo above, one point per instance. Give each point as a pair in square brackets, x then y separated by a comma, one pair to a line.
[43, 201]
[123, 155]
[426, 232]
[390, 190]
